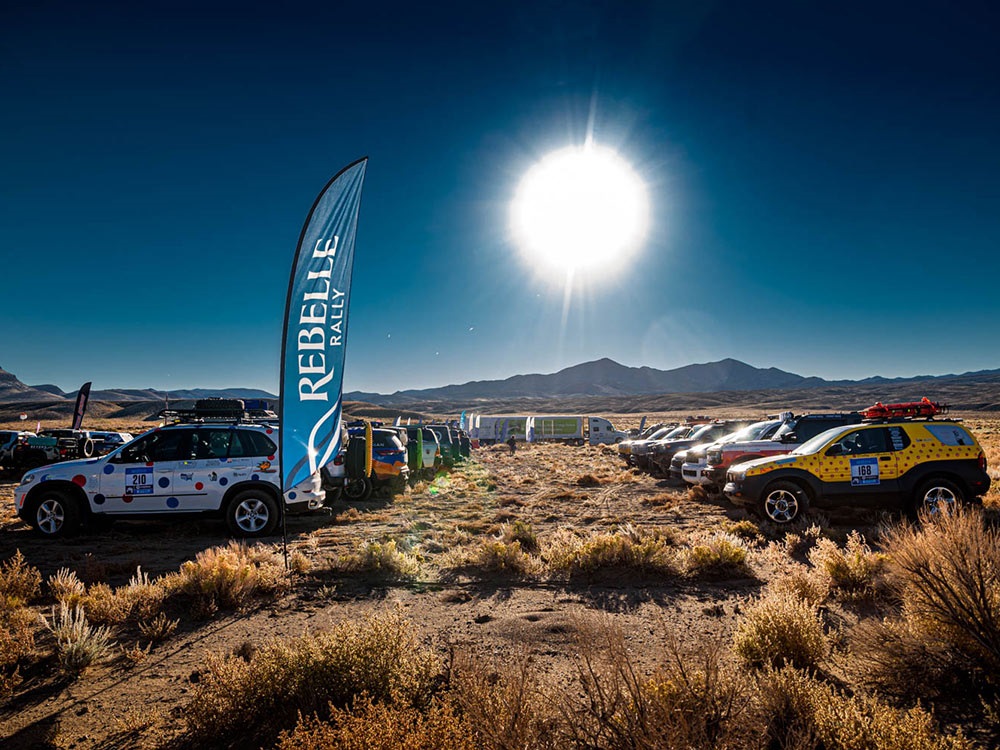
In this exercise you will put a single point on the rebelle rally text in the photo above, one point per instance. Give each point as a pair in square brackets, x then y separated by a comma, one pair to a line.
[320, 323]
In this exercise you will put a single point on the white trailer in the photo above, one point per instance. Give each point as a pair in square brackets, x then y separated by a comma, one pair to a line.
[489, 430]
[573, 429]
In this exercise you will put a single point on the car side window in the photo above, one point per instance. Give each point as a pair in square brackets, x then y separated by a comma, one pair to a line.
[871, 440]
[950, 434]
[898, 438]
[252, 443]
[171, 445]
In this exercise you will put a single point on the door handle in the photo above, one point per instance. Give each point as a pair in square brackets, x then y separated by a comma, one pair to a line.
[884, 458]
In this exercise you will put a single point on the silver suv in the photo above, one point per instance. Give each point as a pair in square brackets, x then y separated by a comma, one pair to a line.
[227, 470]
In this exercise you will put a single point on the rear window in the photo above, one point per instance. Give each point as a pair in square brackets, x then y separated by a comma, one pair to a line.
[252, 443]
[386, 440]
[950, 434]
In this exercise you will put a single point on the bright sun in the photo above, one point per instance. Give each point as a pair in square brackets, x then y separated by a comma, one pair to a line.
[580, 209]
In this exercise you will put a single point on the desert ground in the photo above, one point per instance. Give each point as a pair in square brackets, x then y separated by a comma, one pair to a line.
[550, 598]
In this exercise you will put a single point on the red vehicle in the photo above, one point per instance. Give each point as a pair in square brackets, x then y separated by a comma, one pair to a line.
[794, 432]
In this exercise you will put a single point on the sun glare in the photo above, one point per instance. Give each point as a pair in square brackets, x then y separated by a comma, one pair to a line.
[579, 209]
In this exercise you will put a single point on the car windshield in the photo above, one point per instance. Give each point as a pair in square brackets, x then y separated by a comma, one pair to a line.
[814, 445]
[676, 432]
[703, 430]
[752, 432]
[660, 433]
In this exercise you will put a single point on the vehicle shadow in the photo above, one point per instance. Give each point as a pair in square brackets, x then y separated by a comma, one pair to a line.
[112, 554]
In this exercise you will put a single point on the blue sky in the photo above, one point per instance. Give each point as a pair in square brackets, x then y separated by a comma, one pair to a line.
[823, 184]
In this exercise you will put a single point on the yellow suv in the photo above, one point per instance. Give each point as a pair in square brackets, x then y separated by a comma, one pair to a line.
[911, 464]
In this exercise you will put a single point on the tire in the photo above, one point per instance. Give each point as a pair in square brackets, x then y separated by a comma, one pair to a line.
[358, 490]
[86, 448]
[55, 515]
[937, 495]
[354, 464]
[783, 502]
[252, 513]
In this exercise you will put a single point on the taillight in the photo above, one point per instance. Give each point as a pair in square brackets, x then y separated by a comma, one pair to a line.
[339, 460]
[982, 460]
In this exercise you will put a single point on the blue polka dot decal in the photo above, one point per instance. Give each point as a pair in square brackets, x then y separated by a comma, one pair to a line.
[223, 481]
[163, 482]
[173, 502]
[291, 495]
[109, 468]
[99, 499]
[255, 477]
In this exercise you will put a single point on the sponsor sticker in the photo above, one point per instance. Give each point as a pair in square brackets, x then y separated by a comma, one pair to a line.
[864, 471]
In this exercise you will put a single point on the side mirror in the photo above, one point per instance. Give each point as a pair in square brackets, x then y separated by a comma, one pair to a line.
[789, 437]
[835, 450]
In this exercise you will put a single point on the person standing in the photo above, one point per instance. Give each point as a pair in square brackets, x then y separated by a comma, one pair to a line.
[512, 442]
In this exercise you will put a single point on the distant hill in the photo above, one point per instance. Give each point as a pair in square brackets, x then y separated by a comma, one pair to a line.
[605, 377]
[13, 390]
[602, 386]
[607, 386]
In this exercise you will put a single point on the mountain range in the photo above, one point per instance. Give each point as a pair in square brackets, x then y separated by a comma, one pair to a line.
[601, 384]
[607, 378]
[13, 390]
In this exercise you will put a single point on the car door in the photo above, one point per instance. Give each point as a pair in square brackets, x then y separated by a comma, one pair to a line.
[860, 468]
[140, 478]
[202, 476]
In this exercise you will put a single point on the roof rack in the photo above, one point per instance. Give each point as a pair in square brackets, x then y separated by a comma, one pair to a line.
[220, 411]
[924, 408]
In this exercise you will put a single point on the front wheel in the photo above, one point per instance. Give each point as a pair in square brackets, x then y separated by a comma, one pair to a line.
[55, 515]
[783, 502]
[938, 496]
[252, 513]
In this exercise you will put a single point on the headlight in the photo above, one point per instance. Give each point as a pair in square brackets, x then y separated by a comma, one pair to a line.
[27, 479]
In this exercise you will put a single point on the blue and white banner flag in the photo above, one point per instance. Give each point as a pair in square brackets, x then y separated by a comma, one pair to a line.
[315, 332]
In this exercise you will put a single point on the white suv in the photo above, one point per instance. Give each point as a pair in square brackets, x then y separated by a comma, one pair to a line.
[227, 470]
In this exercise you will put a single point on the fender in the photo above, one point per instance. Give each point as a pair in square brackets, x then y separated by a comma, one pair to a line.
[800, 477]
[250, 485]
[60, 485]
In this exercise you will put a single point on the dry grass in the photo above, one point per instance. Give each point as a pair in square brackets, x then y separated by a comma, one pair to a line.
[490, 559]
[944, 646]
[795, 710]
[19, 582]
[628, 549]
[947, 575]
[17, 643]
[777, 629]
[851, 573]
[502, 700]
[380, 726]
[689, 702]
[159, 628]
[78, 643]
[67, 588]
[381, 560]
[229, 577]
[716, 556]
[249, 701]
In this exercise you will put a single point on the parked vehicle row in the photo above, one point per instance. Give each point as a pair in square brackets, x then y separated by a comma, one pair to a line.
[901, 456]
